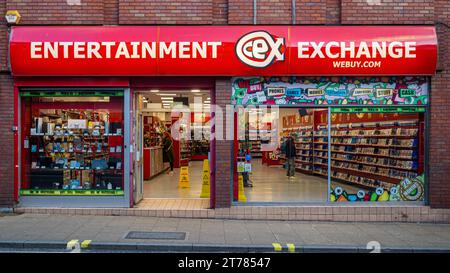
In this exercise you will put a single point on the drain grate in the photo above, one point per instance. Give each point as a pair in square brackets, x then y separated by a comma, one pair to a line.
[156, 235]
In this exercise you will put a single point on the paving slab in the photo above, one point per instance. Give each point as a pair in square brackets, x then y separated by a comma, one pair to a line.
[218, 235]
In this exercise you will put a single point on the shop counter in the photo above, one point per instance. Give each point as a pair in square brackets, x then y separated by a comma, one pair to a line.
[271, 158]
[153, 162]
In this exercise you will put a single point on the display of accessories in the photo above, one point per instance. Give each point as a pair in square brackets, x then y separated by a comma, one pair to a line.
[76, 142]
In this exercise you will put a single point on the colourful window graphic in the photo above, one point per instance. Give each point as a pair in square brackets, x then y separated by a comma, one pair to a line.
[329, 91]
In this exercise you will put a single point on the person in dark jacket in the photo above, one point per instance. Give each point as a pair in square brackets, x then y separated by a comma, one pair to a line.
[168, 155]
[291, 153]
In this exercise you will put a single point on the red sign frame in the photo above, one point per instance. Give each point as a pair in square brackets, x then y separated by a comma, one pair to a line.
[222, 50]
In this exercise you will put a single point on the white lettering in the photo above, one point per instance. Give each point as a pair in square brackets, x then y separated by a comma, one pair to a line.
[196, 48]
[214, 46]
[151, 50]
[302, 48]
[317, 50]
[122, 50]
[108, 46]
[78, 50]
[363, 50]
[92, 49]
[135, 54]
[395, 50]
[164, 49]
[328, 50]
[35, 48]
[52, 49]
[350, 48]
[183, 48]
[65, 46]
[410, 47]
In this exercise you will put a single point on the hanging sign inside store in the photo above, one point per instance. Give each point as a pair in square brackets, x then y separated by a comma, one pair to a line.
[223, 50]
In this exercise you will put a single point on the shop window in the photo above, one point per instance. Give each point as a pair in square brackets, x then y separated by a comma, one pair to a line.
[72, 143]
[371, 148]
[377, 156]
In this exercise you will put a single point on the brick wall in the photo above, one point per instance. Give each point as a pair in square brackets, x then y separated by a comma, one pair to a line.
[3, 39]
[311, 12]
[220, 12]
[333, 12]
[223, 150]
[440, 111]
[439, 155]
[273, 12]
[223, 12]
[6, 141]
[240, 12]
[387, 12]
[111, 12]
[165, 12]
[58, 12]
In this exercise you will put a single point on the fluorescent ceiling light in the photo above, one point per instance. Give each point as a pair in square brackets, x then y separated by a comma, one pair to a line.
[167, 94]
[195, 91]
[154, 90]
[166, 98]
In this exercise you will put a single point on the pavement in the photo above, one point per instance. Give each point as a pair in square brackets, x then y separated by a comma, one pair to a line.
[44, 232]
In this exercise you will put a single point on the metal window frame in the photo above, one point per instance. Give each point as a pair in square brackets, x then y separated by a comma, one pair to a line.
[327, 202]
[84, 201]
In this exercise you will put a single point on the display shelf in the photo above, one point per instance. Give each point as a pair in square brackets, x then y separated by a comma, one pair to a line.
[374, 155]
[67, 158]
[369, 145]
[389, 179]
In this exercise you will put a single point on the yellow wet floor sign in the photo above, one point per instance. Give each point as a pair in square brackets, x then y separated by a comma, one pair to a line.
[183, 182]
[241, 194]
[205, 180]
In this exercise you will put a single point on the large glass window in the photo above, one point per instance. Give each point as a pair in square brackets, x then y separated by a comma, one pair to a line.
[72, 143]
[342, 139]
[377, 156]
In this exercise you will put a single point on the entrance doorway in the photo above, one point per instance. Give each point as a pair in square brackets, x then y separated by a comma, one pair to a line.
[171, 137]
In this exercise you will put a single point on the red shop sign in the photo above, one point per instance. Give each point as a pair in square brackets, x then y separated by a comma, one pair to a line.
[222, 50]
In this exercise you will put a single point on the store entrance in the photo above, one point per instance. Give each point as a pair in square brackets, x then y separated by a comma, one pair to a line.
[172, 142]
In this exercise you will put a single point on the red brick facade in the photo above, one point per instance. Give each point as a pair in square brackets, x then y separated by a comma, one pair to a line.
[235, 12]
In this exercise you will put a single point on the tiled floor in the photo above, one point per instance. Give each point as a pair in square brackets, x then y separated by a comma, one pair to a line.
[174, 204]
[166, 186]
[270, 184]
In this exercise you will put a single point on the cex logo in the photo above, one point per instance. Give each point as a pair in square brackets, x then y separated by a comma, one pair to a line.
[260, 49]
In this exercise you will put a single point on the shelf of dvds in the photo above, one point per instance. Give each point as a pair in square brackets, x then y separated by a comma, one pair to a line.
[370, 154]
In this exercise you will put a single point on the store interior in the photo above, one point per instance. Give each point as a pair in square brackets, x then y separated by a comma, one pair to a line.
[158, 112]
[370, 152]
[72, 143]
